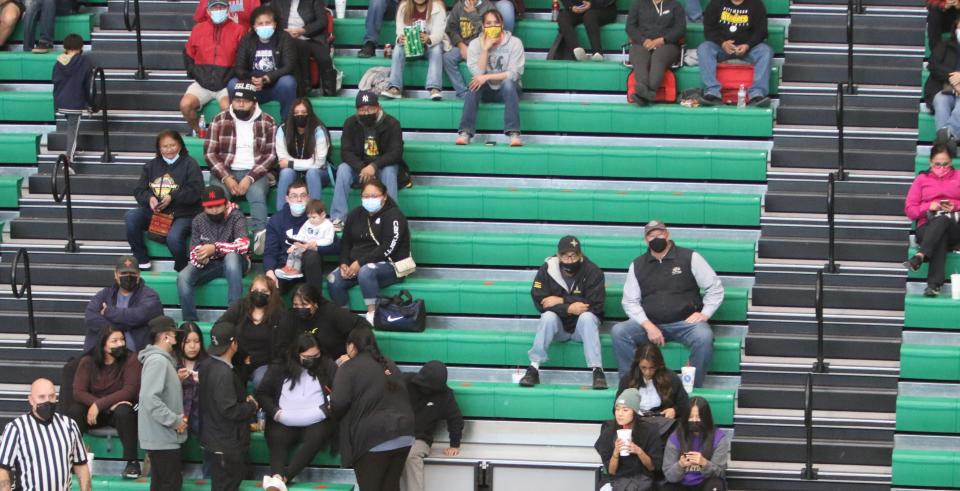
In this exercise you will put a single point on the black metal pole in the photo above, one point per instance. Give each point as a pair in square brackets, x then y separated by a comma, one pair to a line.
[819, 366]
[104, 116]
[851, 88]
[831, 266]
[22, 254]
[841, 152]
[62, 167]
[809, 472]
[141, 71]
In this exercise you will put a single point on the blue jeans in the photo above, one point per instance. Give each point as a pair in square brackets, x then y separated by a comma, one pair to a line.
[377, 10]
[257, 376]
[232, 267]
[434, 55]
[46, 10]
[256, 196]
[345, 178]
[698, 338]
[694, 10]
[508, 11]
[138, 220]
[316, 179]
[760, 56]
[551, 329]
[508, 94]
[451, 66]
[946, 112]
[283, 90]
[371, 278]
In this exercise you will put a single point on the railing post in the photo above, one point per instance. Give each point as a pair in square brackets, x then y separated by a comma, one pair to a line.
[841, 152]
[851, 87]
[141, 73]
[809, 472]
[22, 254]
[831, 266]
[62, 167]
[819, 366]
[99, 98]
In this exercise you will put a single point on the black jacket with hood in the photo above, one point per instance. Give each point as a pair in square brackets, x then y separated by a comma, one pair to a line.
[224, 411]
[433, 401]
[183, 180]
[386, 149]
[587, 287]
[71, 82]
[390, 240]
[329, 324]
[943, 61]
[284, 56]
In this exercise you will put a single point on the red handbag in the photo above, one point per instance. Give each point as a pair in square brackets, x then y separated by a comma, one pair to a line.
[667, 92]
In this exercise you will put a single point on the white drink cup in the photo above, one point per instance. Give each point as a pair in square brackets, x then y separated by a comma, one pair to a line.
[341, 8]
[955, 286]
[687, 374]
[90, 457]
[625, 437]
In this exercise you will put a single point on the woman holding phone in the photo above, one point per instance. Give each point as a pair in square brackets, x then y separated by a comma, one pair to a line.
[631, 449]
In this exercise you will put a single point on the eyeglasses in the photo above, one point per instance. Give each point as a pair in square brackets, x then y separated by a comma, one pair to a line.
[941, 164]
[298, 196]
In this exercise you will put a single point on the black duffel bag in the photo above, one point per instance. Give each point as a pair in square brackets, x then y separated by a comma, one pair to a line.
[400, 313]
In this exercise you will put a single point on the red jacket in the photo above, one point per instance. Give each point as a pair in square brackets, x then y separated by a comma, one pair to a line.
[239, 11]
[926, 189]
[211, 52]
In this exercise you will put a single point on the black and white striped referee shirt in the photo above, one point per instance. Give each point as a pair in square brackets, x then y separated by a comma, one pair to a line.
[41, 455]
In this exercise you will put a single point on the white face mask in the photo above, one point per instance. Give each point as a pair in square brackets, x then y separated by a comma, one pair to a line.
[957, 33]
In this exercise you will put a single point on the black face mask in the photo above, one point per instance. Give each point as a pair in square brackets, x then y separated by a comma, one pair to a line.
[242, 114]
[368, 120]
[45, 411]
[310, 363]
[128, 283]
[217, 217]
[303, 313]
[658, 245]
[120, 352]
[259, 299]
[696, 427]
[301, 120]
[571, 268]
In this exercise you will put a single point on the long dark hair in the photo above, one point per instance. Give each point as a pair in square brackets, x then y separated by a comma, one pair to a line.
[364, 341]
[98, 353]
[308, 293]
[309, 142]
[706, 419]
[273, 305]
[174, 135]
[185, 329]
[661, 379]
[292, 364]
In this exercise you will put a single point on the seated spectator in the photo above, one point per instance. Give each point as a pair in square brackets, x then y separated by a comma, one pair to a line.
[371, 147]
[316, 234]
[371, 403]
[257, 319]
[208, 57]
[464, 24]
[662, 299]
[303, 147]
[644, 452]
[375, 236]
[496, 62]
[44, 12]
[431, 17]
[735, 29]
[569, 291]
[655, 29]
[377, 10]
[267, 57]
[697, 454]
[10, 13]
[941, 17]
[509, 10]
[105, 390]
[170, 183]
[432, 401]
[933, 202]
[127, 305]
[661, 390]
[190, 357]
[218, 248]
[239, 12]
[308, 28]
[941, 88]
[71, 77]
[328, 323]
[239, 152]
[286, 222]
[294, 395]
[593, 14]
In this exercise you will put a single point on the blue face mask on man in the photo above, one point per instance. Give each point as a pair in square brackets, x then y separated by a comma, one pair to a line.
[218, 16]
[264, 32]
[171, 160]
[297, 209]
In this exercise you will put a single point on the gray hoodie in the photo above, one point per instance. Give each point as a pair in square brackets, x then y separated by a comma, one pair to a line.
[508, 57]
[161, 401]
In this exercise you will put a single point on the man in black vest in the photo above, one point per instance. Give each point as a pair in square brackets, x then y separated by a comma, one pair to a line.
[662, 299]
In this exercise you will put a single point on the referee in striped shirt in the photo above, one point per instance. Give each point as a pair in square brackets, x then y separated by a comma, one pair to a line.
[40, 447]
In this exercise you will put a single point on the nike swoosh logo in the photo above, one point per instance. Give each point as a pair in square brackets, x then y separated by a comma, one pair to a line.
[391, 318]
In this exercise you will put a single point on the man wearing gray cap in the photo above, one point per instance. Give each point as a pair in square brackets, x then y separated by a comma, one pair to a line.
[662, 299]
[128, 304]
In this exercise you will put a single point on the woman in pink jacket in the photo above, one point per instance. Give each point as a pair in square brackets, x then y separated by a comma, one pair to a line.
[934, 203]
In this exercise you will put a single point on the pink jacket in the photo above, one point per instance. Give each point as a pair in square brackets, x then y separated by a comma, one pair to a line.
[926, 189]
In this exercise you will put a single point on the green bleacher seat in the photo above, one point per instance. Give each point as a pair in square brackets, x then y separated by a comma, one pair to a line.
[81, 24]
[933, 468]
[930, 362]
[927, 414]
[19, 148]
[27, 106]
[926, 128]
[10, 191]
[19, 65]
[774, 7]
[931, 313]
[117, 483]
[953, 264]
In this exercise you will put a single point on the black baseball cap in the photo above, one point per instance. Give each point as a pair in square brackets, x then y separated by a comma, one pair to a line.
[367, 98]
[568, 244]
[161, 324]
[222, 334]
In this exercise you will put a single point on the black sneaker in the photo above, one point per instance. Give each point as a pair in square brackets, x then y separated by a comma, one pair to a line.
[132, 470]
[43, 47]
[759, 101]
[710, 100]
[932, 291]
[368, 50]
[640, 101]
[599, 381]
[531, 378]
[914, 263]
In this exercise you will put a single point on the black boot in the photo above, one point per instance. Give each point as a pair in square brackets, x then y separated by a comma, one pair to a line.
[328, 81]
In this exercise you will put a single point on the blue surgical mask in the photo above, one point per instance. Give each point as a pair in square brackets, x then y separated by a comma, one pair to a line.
[218, 16]
[372, 205]
[297, 209]
[171, 161]
[264, 32]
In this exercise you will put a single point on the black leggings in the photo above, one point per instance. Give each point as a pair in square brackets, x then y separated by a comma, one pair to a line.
[380, 471]
[936, 237]
[593, 19]
[123, 418]
[281, 440]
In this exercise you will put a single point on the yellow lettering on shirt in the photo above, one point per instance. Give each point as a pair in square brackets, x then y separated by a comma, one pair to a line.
[728, 17]
[371, 147]
[467, 29]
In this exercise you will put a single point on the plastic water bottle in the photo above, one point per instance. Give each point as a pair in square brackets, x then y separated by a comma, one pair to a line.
[203, 127]
[741, 97]
[261, 420]
[555, 10]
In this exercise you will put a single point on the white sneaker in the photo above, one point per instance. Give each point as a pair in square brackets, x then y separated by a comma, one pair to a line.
[369, 317]
[273, 483]
[145, 266]
[597, 57]
[580, 54]
[284, 274]
[259, 242]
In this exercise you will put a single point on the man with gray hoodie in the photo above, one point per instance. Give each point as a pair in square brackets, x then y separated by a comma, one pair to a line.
[161, 423]
[464, 24]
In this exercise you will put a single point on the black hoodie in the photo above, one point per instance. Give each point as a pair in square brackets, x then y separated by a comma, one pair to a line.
[385, 145]
[391, 238]
[329, 324]
[71, 82]
[433, 401]
[744, 24]
[183, 181]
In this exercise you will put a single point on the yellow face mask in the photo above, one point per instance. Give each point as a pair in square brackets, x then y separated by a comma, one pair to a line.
[492, 32]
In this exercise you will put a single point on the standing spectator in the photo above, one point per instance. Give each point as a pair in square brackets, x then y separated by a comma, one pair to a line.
[258, 318]
[655, 29]
[371, 147]
[127, 305]
[224, 411]
[268, 58]
[940, 89]
[593, 14]
[10, 13]
[208, 58]
[375, 236]
[569, 292]
[496, 61]
[306, 22]
[42, 446]
[170, 183]
[464, 24]
[71, 78]
[432, 402]
[303, 147]
[328, 323]
[735, 29]
[190, 358]
[635, 471]
[162, 420]
[239, 11]
[44, 12]
[105, 390]
[239, 152]
[316, 234]
[697, 453]
[218, 248]
[941, 17]
[286, 222]
[932, 202]
[662, 299]
[661, 390]
[431, 16]
[294, 395]
[376, 422]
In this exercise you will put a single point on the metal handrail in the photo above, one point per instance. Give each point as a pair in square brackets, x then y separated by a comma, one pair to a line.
[62, 166]
[141, 73]
[841, 153]
[851, 8]
[819, 366]
[831, 266]
[98, 98]
[809, 472]
[27, 287]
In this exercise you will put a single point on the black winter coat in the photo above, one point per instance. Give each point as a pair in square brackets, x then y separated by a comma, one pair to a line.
[587, 287]
[330, 325]
[943, 61]
[224, 412]
[284, 55]
[313, 13]
[432, 402]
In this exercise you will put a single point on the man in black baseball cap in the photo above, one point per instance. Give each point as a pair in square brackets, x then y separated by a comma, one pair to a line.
[569, 293]
[128, 304]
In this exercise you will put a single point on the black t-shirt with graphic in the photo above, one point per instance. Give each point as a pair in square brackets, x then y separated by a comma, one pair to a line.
[745, 23]
[263, 60]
